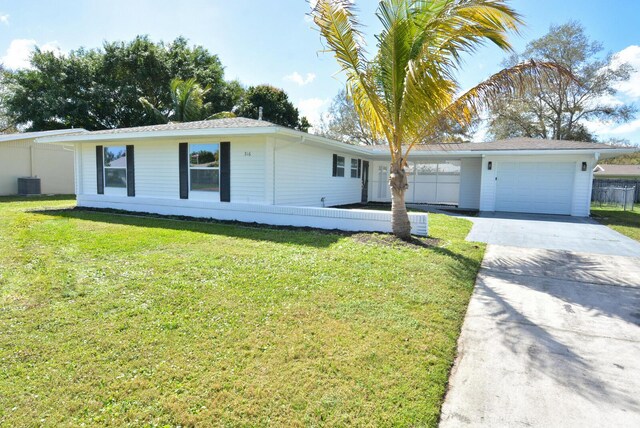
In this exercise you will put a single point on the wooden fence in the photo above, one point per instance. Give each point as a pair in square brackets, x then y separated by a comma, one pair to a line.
[599, 183]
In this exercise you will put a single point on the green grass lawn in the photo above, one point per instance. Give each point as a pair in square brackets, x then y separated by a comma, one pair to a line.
[115, 320]
[625, 222]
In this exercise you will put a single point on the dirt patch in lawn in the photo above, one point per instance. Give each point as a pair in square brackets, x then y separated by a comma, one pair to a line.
[393, 241]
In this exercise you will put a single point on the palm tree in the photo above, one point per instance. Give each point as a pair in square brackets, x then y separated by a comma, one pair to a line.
[187, 103]
[407, 94]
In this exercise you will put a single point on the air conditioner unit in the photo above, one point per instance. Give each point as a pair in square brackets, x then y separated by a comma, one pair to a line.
[28, 186]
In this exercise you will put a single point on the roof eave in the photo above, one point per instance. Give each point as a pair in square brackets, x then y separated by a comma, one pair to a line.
[149, 135]
[202, 132]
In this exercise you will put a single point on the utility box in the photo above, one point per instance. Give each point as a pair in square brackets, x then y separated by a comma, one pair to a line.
[28, 186]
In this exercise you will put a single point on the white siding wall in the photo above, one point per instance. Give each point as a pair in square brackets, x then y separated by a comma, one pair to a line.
[581, 195]
[470, 180]
[303, 176]
[88, 184]
[157, 168]
[53, 164]
[248, 170]
[583, 181]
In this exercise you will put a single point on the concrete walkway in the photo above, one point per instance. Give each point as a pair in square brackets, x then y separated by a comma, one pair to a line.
[552, 336]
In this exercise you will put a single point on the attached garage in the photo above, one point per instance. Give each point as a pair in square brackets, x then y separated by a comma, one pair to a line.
[535, 187]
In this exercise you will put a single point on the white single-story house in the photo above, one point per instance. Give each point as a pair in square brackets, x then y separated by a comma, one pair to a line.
[51, 163]
[252, 170]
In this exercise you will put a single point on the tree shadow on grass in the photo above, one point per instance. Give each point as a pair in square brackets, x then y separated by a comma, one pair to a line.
[465, 269]
[254, 231]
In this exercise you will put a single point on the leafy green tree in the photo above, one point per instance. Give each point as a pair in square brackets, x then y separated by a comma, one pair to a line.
[100, 88]
[5, 122]
[630, 159]
[276, 107]
[560, 108]
[406, 94]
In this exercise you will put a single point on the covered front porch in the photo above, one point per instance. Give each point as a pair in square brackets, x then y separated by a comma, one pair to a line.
[453, 181]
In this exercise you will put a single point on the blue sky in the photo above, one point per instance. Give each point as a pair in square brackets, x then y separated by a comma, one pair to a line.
[274, 42]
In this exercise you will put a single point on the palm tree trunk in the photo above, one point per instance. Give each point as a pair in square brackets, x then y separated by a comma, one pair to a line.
[400, 224]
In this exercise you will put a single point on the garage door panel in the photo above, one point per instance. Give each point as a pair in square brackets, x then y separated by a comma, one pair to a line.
[535, 187]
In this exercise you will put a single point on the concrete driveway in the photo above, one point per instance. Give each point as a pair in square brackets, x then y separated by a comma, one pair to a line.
[552, 333]
[551, 232]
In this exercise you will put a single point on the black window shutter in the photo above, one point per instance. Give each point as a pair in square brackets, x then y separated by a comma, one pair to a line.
[335, 166]
[183, 168]
[359, 168]
[225, 172]
[131, 172]
[100, 169]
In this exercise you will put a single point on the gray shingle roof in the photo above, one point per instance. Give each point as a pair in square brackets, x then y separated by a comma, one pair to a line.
[516, 144]
[236, 122]
[513, 144]
[631, 170]
[39, 134]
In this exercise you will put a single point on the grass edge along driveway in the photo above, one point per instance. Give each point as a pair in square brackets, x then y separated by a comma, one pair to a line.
[625, 222]
[115, 320]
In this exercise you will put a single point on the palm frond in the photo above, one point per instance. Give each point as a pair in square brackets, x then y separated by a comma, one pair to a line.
[338, 26]
[510, 82]
[156, 114]
[222, 115]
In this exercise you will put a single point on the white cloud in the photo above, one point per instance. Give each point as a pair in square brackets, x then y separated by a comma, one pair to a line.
[625, 128]
[4, 19]
[298, 79]
[312, 108]
[631, 56]
[20, 50]
[627, 92]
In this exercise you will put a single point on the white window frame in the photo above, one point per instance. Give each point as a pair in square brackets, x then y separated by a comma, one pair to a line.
[343, 167]
[354, 169]
[203, 194]
[110, 190]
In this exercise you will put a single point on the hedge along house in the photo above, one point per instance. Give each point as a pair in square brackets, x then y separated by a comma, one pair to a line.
[255, 171]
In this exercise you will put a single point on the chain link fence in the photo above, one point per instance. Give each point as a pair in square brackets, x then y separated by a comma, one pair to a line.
[616, 196]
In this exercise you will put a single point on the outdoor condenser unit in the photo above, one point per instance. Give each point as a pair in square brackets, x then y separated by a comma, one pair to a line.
[28, 186]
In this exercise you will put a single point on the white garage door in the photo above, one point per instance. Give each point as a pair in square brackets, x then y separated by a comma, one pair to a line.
[533, 187]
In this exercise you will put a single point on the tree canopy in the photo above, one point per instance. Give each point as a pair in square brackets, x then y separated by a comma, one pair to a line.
[276, 107]
[560, 108]
[100, 88]
[135, 83]
[5, 121]
[344, 124]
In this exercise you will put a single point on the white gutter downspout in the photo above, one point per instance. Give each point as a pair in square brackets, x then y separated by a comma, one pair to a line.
[596, 156]
[32, 155]
[275, 143]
